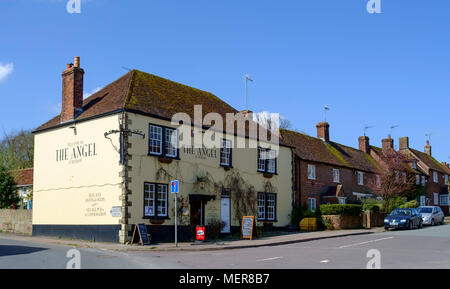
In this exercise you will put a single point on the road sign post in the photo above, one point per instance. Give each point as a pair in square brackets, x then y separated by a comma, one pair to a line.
[174, 188]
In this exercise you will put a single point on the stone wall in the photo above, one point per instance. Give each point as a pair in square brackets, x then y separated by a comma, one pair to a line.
[16, 221]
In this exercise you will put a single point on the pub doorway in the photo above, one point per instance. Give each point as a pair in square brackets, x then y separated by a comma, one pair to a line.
[197, 211]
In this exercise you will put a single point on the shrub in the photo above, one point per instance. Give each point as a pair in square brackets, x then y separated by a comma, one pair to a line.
[341, 209]
[372, 205]
[410, 204]
[214, 228]
[393, 203]
[296, 216]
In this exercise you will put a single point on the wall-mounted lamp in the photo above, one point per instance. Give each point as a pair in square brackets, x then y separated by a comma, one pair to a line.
[74, 129]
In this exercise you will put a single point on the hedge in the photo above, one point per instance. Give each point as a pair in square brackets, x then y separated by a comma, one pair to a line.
[341, 209]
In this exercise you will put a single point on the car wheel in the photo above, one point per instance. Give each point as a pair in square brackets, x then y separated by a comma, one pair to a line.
[420, 225]
[432, 222]
[411, 226]
[443, 221]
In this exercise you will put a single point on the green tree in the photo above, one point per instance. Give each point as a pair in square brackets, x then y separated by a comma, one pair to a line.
[17, 150]
[8, 193]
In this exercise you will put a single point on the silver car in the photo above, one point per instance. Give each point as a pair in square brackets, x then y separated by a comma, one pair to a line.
[432, 215]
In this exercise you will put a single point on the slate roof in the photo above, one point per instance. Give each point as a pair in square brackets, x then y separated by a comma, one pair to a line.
[332, 153]
[138, 91]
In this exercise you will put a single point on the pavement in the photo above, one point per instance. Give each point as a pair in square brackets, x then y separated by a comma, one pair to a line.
[284, 239]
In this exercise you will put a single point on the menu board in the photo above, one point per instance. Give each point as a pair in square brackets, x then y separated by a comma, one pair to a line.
[140, 232]
[247, 227]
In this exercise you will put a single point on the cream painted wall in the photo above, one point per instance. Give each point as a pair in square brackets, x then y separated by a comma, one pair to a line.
[144, 169]
[80, 189]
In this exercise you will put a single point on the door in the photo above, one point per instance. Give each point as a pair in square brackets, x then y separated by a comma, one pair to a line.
[196, 215]
[225, 211]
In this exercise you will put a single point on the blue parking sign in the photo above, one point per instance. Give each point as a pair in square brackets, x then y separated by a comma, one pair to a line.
[174, 187]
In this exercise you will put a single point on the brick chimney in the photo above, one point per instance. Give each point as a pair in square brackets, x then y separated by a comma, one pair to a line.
[403, 143]
[72, 91]
[323, 131]
[428, 148]
[387, 143]
[364, 144]
[446, 165]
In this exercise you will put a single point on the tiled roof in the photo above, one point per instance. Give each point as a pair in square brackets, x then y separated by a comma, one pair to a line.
[431, 162]
[153, 95]
[408, 168]
[23, 177]
[316, 150]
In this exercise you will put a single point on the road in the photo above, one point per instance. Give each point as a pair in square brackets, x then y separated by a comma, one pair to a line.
[425, 248]
[26, 255]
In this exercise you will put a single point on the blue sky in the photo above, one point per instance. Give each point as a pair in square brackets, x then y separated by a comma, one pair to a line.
[380, 70]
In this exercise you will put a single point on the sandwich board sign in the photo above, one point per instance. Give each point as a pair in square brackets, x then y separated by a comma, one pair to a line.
[247, 227]
[140, 232]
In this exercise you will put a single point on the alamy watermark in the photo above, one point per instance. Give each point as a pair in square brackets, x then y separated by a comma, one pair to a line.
[374, 6]
[73, 6]
[375, 259]
[75, 259]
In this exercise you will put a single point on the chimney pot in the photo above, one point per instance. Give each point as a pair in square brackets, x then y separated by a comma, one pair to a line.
[403, 143]
[72, 91]
[364, 144]
[76, 61]
[387, 143]
[323, 131]
[428, 148]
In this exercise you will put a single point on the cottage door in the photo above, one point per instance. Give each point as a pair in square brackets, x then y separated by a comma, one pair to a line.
[225, 211]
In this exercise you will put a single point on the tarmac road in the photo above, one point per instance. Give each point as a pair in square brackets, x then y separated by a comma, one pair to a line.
[425, 248]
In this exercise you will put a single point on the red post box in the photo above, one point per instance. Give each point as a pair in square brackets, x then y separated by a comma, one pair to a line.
[200, 233]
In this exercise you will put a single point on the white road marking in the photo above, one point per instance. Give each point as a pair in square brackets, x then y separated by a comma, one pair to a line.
[269, 259]
[325, 261]
[367, 242]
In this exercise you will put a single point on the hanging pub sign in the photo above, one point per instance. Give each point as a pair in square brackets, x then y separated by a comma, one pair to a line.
[140, 235]
[248, 223]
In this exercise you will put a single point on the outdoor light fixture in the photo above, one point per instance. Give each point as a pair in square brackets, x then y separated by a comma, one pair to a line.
[74, 129]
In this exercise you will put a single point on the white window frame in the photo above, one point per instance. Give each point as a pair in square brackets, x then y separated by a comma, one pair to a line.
[336, 176]
[444, 201]
[155, 139]
[311, 172]
[312, 204]
[171, 143]
[436, 199]
[267, 161]
[417, 180]
[262, 159]
[424, 181]
[342, 200]
[271, 161]
[267, 206]
[225, 152]
[435, 177]
[446, 179]
[156, 197]
[261, 206]
[423, 200]
[360, 178]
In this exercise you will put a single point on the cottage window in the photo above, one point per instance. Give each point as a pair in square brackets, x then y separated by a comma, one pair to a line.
[311, 172]
[312, 204]
[267, 161]
[424, 180]
[171, 143]
[422, 200]
[378, 181]
[436, 198]
[417, 180]
[225, 153]
[444, 200]
[163, 137]
[155, 140]
[155, 200]
[435, 177]
[360, 178]
[446, 179]
[336, 177]
[267, 206]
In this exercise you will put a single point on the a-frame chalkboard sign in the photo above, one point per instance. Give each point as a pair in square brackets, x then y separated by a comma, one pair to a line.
[140, 235]
[247, 227]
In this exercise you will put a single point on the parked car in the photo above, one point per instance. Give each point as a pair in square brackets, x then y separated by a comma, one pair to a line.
[407, 218]
[432, 215]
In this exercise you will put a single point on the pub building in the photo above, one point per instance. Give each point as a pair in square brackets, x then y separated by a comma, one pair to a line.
[106, 162]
